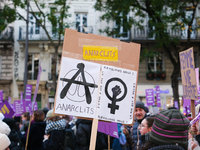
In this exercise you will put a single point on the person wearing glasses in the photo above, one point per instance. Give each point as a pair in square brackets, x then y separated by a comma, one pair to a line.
[145, 129]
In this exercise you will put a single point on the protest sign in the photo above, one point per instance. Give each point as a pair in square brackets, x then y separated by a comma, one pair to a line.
[17, 106]
[108, 128]
[158, 96]
[28, 93]
[76, 75]
[149, 97]
[83, 83]
[1, 97]
[6, 110]
[188, 75]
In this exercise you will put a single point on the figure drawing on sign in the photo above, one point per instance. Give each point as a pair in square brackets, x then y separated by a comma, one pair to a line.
[78, 81]
[116, 90]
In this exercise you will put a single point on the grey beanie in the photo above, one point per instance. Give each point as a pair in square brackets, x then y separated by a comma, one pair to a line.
[140, 104]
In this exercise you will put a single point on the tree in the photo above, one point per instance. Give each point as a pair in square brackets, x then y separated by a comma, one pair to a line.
[161, 14]
[56, 16]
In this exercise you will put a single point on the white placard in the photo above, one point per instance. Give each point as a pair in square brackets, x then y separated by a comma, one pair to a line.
[116, 95]
[77, 90]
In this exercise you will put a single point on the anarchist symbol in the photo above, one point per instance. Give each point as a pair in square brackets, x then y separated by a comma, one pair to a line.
[116, 91]
[86, 85]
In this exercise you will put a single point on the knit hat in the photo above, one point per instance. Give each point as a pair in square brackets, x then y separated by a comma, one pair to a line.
[50, 114]
[170, 127]
[4, 141]
[1, 116]
[4, 128]
[140, 104]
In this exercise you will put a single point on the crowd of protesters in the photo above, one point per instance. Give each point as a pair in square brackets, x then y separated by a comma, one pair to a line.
[166, 130]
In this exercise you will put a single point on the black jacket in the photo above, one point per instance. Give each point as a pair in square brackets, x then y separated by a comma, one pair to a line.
[36, 136]
[167, 147]
[83, 136]
[56, 138]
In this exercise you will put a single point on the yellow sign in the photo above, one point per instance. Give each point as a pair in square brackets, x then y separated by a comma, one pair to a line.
[102, 53]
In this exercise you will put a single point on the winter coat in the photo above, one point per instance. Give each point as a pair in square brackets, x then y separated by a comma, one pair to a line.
[83, 136]
[13, 136]
[197, 137]
[136, 133]
[36, 135]
[56, 130]
[56, 138]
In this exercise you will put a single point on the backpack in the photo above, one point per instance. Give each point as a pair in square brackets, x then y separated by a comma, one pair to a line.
[69, 140]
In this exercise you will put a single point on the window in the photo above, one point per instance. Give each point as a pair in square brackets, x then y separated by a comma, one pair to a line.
[57, 66]
[81, 22]
[122, 26]
[155, 63]
[33, 66]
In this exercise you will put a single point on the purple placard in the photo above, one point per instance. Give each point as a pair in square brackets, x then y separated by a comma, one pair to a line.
[149, 96]
[186, 102]
[27, 106]
[108, 128]
[1, 97]
[158, 96]
[22, 103]
[37, 85]
[176, 104]
[28, 93]
[17, 106]
[6, 110]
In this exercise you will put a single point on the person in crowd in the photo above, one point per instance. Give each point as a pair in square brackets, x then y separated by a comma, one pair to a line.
[54, 133]
[13, 136]
[169, 131]
[4, 142]
[192, 143]
[196, 127]
[25, 118]
[145, 130]
[37, 131]
[140, 114]
[4, 128]
[45, 110]
[83, 136]
[50, 114]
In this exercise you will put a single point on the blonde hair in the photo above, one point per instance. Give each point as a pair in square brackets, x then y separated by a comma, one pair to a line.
[197, 109]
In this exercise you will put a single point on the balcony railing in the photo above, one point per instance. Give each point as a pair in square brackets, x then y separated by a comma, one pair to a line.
[38, 33]
[146, 33]
[7, 34]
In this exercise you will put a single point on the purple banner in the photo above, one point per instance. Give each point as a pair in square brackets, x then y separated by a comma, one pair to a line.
[17, 106]
[158, 96]
[28, 93]
[186, 102]
[6, 110]
[1, 97]
[37, 84]
[22, 103]
[149, 96]
[108, 128]
[176, 104]
[9, 100]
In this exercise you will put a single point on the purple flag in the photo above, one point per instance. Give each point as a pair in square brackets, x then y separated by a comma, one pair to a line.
[17, 106]
[37, 84]
[108, 128]
[149, 96]
[158, 96]
[1, 97]
[28, 93]
[6, 110]
[186, 102]
[9, 100]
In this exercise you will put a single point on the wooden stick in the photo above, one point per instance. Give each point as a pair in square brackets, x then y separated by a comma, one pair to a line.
[28, 133]
[93, 134]
[108, 142]
[193, 109]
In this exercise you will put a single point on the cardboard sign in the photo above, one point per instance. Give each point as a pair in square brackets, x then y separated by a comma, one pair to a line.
[79, 83]
[188, 75]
